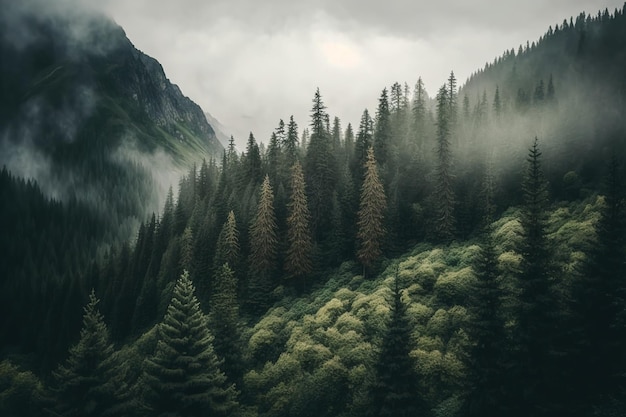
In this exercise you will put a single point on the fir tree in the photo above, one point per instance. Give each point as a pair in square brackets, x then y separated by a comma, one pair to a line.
[290, 146]
[228, 250]
[298, 262]
[444, 192]
[183, 377]
[486, 366]
[371, 231]
[382, 129]
[91, 383]
[224, 321]
[419, 112]
[396, 391]
[536, 317]
[263, 232]
[497, 104]
[320, 170]
[598, 297]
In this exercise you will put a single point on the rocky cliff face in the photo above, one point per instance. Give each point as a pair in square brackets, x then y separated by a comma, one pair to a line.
[67, 68]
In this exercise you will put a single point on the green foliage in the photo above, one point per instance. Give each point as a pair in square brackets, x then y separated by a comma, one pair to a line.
[21, 392]
[91, 381]
[183, 375]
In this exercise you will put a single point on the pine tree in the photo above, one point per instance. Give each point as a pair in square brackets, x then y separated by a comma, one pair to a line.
[598, 297]
[364, 139]
[290, 146]
[228, 250]
[444, 191]
[336, 134]
[382, 129]
[536, 317]
[224, 321]
[371, 232]
[91, 383]
[253, 162]
[395, 392]
[320, 170]
[419, 112]
[183, 377]
[486, 366]
[497, 104]
[452, 101]
[263, 233]
[298, 263]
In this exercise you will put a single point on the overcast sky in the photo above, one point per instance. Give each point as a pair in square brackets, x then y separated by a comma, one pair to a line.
[252, 62]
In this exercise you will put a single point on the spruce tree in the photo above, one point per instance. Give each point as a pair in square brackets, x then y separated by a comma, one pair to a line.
[224, 321]
[320, 170]
[183, 377]
[290, 146]
[91, 383]
[228, 250]
[298, 262]
[444, 192]
[536, 311]
[263, 251]
[497, 104]
[373, 204]
[263, 232]
[382, 129]
[419, 112]
[396, 390]
[486, 367]
[598, 300]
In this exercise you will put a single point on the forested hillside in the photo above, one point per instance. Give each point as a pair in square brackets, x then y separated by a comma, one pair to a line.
[460, 254]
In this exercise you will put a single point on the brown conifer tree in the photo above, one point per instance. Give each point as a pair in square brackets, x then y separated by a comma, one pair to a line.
[298, 262]
[372, 208]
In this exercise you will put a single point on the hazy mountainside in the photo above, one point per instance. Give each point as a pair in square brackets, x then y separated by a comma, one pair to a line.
[433, 261]
[78, 99]
[220, 130]
[568, 88]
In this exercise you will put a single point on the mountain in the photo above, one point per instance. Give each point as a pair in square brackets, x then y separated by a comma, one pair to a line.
[80, 103]
[220, 129]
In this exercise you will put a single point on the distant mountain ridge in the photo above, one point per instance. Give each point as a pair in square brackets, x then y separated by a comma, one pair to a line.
[86, 114]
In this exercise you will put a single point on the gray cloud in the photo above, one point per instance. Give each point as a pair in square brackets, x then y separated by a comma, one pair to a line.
[249, 63]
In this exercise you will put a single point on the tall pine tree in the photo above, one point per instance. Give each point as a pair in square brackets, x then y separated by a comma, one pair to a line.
[298, 262]
[183, 377]
[371, 230]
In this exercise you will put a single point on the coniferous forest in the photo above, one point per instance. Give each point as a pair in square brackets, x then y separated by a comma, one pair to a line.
[454, 253]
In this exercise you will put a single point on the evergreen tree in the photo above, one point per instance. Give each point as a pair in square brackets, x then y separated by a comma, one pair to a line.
[444, 192]
[550, 92]
[452, 101]
[228, 250]
[253, 162]
[349, 139]
[486, 368]
[263, 233]
[419, 112]
[336, 134]
[598, 300]
[320, 171]
[396, 391]
[224, 321]
[298, 262]
[364, 140]
[91, 383]
[371, 231]
[537, 305]
[497, 104]
[183, 377]
[290, 146]
[382, 130]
